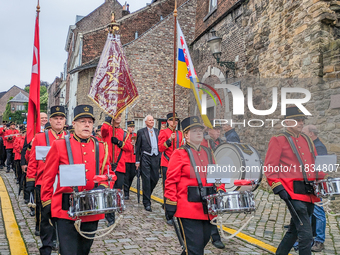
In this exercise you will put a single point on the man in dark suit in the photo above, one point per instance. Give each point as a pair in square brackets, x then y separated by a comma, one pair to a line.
[147, 158]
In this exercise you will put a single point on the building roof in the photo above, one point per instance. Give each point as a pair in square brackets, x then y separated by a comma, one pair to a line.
[2, 93]
[19, 98]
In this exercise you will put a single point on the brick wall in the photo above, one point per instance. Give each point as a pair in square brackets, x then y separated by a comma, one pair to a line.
[54, 92]
[150, 58]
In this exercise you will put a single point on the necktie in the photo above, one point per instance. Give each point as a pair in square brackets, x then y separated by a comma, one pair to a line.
[151, 132]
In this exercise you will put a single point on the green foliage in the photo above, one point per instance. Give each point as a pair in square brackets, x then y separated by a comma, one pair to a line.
[43, 98]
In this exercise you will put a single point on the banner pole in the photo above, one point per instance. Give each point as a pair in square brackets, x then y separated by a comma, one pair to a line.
[174, 85]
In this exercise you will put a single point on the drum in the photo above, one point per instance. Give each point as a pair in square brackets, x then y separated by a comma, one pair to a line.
[231, 202]
[96, 202]
[327, 187]
[239, 161]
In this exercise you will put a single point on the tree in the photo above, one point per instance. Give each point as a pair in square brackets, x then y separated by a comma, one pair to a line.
[16, 116]
[43, 97]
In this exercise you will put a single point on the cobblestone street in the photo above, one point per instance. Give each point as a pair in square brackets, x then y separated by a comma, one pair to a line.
[139, 232]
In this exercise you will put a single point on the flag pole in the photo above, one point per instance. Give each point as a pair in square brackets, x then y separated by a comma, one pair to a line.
[113, 27]
[174, 86]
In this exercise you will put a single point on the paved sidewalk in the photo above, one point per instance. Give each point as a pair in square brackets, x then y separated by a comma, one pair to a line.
[139, 232]
[270, 217]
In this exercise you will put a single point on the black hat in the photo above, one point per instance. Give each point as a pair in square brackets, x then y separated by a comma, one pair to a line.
[99, 128]
[169, 116]
[131, 123]
[83, 111]
[8, 125]
[191, 122]
[12, 123]
[48, 125]
[23, 129]
[216, 125]
[70, 128]
[293, 112]
[57, 110]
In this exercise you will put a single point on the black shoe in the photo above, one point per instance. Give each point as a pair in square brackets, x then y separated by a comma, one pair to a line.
[126, 198]
[37, 233]
[148, 208]
[55, 246]
[32, 213]
[218, 244]
[170, 222]
[111, 218]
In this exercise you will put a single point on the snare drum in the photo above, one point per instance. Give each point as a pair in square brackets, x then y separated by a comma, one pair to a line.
[96, 202]
[327, 187]
[231, 202]
[237, 156]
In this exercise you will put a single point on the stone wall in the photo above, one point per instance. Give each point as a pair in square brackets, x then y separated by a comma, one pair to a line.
[281, 44]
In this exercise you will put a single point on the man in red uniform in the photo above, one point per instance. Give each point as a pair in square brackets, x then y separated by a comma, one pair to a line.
[115, 138]
[212, 139]
[2, 145]
[166, 139]
[17, 147]
[56, 204]
[35, 173]
[99, 133]
[288, 167]
[10, 136]
[186, 185]
[130, 159]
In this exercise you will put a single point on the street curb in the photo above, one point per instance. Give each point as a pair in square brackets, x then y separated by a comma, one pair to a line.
[15, 240]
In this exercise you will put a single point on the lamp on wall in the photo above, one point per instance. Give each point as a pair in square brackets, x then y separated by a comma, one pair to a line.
[215, 45]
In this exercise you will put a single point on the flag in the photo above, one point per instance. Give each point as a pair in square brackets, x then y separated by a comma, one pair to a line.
[113, 88]
[186, 75]
[33, 115]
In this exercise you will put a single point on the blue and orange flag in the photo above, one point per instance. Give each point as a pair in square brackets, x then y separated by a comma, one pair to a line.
[186, 75]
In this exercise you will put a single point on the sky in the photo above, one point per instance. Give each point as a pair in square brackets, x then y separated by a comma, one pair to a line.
[17, 19]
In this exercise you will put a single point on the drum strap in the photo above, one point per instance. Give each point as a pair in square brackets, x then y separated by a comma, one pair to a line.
[47, 138]
[292, 145]
[199, 181]
[70, 155]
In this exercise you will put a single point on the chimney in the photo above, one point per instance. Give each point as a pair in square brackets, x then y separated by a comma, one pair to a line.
[125, 10]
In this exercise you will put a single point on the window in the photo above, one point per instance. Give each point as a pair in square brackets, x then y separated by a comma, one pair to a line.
[212, 5]
[20, 108]
[211, 112]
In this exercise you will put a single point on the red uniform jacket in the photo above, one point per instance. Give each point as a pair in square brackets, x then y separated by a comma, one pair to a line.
[206, 143]
[2, 132]
[179, 177]
[83, 153]
[10, 142]
[165, 145]
[130, 156]
[280, 154]
[107, 133]
[35, 167]
[17, 147]
[100, 139]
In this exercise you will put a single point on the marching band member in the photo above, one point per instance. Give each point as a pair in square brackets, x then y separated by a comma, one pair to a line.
[166, 139]
[182, 187]
[213, 139]
[17, 147]
[116, 139]
[99, 133]
[288, 178]
[56, 205]
[130, 159]
[35, 172]
[10, 135]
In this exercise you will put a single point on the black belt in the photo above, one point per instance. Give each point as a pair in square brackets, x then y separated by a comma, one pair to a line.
[194, 194]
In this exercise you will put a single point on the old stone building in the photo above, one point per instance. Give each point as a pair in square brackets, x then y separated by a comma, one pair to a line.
[147, 38]
[18, 102]
[6, 95]
[273, 44]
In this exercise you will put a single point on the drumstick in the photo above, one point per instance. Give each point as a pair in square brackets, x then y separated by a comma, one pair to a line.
[292, 209]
